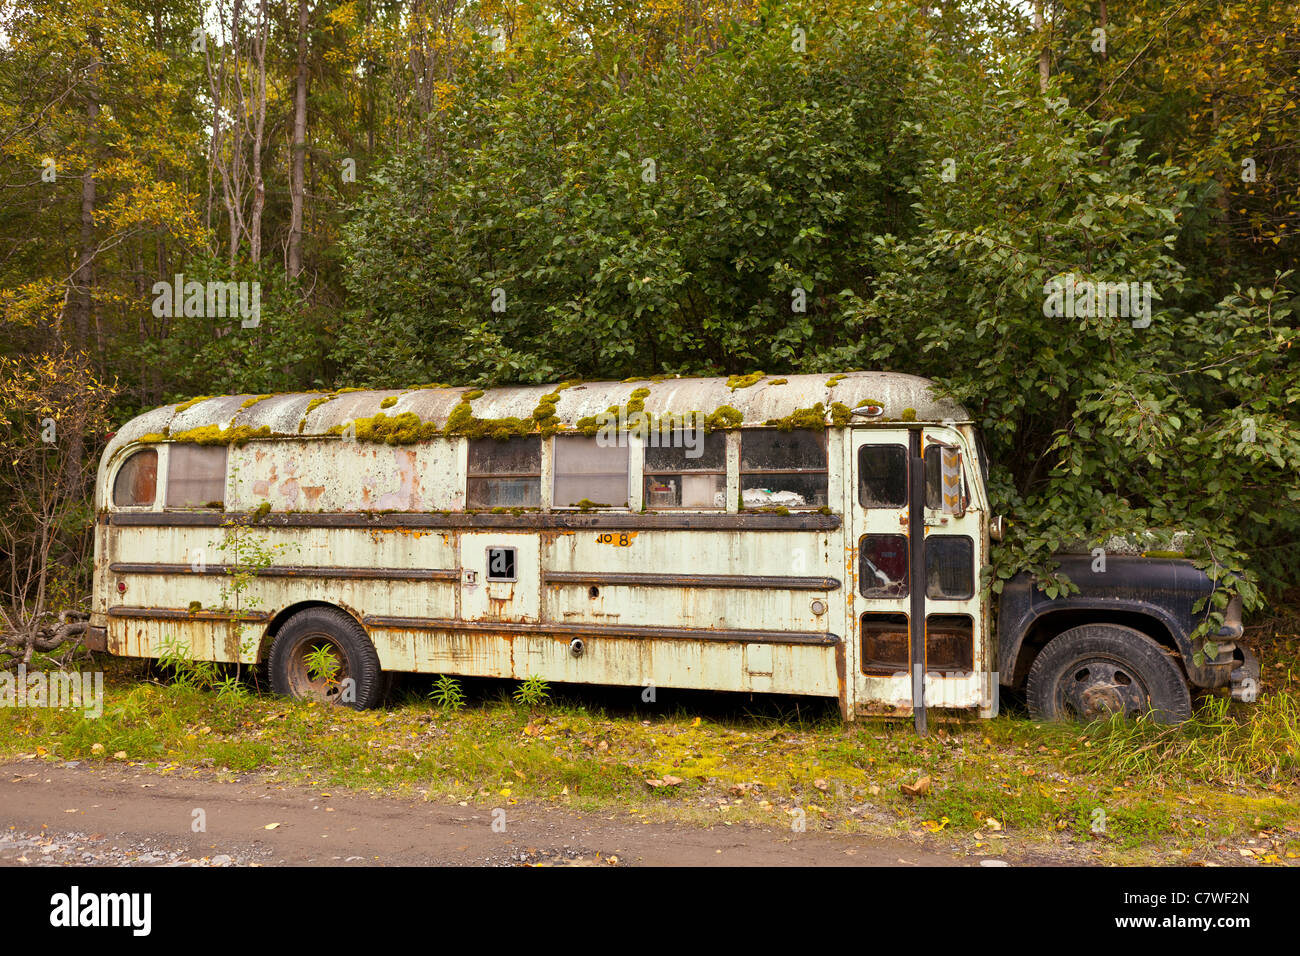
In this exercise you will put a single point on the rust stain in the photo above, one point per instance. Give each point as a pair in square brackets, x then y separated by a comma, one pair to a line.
[312, 492]
[289, 491]
[407, 496]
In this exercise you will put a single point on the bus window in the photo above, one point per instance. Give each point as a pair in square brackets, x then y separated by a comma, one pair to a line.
[196, 476]
[678, 475]
[137, 480]
[886, 645]
[504, 474]
[882, 565]
[949, 566]
[783, 469]
[882, 476]
[587, 473]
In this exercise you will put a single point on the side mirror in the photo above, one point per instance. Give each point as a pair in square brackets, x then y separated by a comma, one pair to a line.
[954, 493]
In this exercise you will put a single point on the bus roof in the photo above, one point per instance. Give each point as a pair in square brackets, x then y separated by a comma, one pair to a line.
[757, 399]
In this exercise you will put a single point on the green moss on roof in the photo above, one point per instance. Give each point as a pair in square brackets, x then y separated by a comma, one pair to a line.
[191, 403]
[735, 382]
[216, 435]
[389, 402]
[811, 418]
[723, 418]
[636, 403]
[249, 403]
[840, 414]
[835, 380]
[404, 429]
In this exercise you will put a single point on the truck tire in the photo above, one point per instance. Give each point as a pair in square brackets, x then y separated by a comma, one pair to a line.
[1096, 670]
[358, 681]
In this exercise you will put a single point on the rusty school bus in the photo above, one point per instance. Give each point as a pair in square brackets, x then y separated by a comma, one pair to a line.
[814, 535]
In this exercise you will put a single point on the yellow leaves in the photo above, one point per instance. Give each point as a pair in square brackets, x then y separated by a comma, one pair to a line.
[934, 826]
[32, 304]
[343, 15]
[156, 205]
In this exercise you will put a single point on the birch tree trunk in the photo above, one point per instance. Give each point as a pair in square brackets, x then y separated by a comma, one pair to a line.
[297, 176]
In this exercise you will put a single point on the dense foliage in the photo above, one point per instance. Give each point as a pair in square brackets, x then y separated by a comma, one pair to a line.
[530, 192]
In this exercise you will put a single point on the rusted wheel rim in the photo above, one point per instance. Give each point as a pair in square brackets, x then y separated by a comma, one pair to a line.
[1099, 687]
[303, 684]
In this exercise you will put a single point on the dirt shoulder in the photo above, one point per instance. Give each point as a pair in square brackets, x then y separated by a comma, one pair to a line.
[116, 816]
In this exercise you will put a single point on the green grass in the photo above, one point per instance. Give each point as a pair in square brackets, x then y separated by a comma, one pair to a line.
[1229, 775]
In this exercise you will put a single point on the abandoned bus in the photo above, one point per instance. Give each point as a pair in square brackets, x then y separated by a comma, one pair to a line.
[813, 535]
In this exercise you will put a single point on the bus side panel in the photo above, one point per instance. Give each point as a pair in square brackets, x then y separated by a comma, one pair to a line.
[632, 661]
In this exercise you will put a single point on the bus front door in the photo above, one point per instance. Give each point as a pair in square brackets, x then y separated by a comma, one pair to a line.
[914, 557]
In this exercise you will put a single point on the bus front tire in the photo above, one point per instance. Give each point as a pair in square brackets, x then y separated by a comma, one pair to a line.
[1097, 670]
[356, 679]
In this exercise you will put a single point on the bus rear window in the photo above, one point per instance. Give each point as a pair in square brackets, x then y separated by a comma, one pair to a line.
[137, 480]
[588, 473]
[783, 469]
[196, 476]
[504, 474]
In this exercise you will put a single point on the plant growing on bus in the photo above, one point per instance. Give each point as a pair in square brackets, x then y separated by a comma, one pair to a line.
[247, 557]
[533, 692]
[323, 664]
[446, 694]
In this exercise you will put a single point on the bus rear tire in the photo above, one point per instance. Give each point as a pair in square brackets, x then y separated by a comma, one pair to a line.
[358, 682]
[1096, 670]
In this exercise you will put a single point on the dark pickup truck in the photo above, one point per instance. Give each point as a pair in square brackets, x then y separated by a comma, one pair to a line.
[1122, 644]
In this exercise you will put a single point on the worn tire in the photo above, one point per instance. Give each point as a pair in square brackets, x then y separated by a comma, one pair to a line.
[1096, 670]
[316, 627]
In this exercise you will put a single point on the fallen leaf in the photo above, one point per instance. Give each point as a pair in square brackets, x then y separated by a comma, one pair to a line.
[270, 826]
[918, 789]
